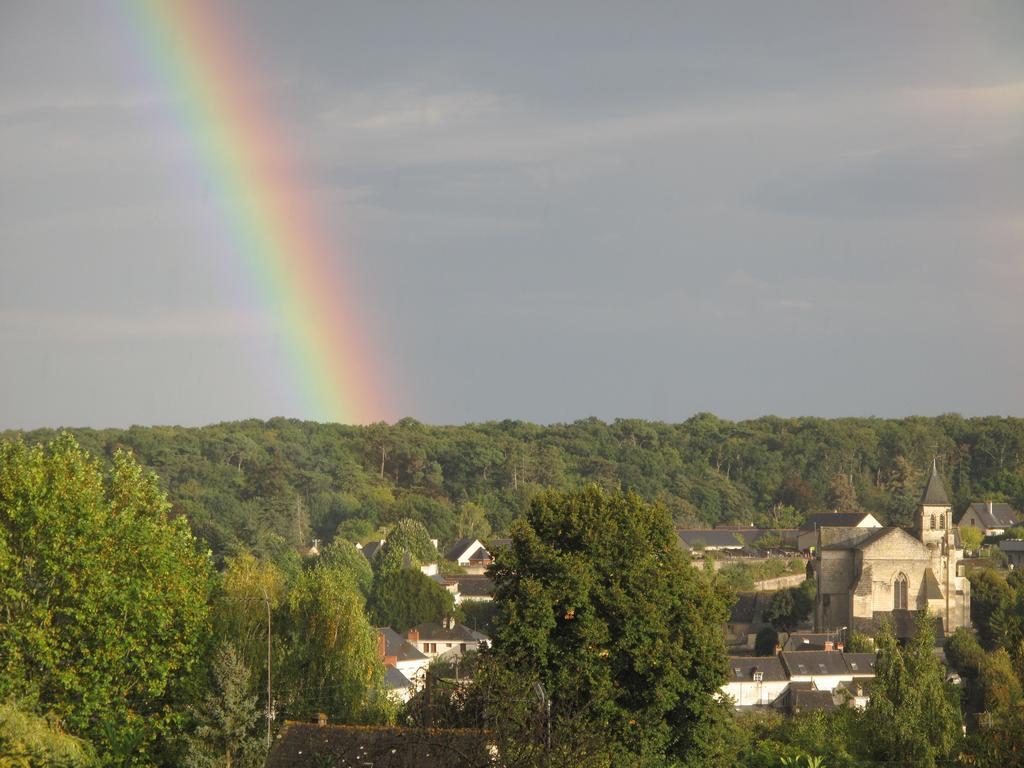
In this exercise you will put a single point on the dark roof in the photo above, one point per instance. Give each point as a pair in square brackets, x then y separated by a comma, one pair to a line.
[1012, 545]
[307, 745]
[745, 608]
[860, 664]
[1002, 514]
[459, 633]
[495, 544]
[807, 641]
[459, 548]
[834, 519]
[371, 549]
[742, 668]
[479, 554]
[397, 646]
[709, 537]
[394, 679]
[935, 492]
[475, 586]
[932, 591]
[814, 663]
[804, 697]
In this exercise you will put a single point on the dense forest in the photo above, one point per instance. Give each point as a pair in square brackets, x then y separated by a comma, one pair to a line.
[260, 485]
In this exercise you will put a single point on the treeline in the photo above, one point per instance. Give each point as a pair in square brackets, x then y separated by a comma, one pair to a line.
[258, 484]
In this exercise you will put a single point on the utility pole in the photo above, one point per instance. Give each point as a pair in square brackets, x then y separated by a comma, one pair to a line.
[270, 701]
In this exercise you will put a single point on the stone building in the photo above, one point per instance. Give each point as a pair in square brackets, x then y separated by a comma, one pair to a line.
[867, 574]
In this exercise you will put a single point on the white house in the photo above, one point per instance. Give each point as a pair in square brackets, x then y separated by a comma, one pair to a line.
[445, 639]
[471, 554]
[405, 659]
[755, 681]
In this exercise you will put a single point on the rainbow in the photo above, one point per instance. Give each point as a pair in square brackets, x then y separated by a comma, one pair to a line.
[286, 258]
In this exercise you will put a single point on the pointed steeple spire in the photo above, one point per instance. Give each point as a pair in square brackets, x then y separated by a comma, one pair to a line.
[935, 492]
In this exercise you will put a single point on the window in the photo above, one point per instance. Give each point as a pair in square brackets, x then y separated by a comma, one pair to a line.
[462, 647]
[758, 676]
[933, 522]
[899, 593]
[942, 521]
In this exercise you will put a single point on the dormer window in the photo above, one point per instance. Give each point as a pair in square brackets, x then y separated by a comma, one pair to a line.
[758, 675]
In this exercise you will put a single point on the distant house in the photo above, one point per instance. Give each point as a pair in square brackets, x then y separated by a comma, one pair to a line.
[992, 518]
[745, 618]
[471, 554]
[809, 530]
[445, 639]
[755, 681]
[800, 680]
[1014, 550]
[311, 745]
[371, 549]
[407, 661]
[467, 587]
[733, 538]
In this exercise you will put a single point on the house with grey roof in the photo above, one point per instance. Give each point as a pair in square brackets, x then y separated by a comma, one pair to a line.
[471, 554]
[799, 680]
[1014, 551]
[808, 538]
[407, 661]
[755, 681]
[448, 638]
[992, 518]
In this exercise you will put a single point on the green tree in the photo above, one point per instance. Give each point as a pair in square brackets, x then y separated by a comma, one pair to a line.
[790, 607]
[407, 542]
[228, 718]
[971, 538]
[329, 649]
[989, 593]
[105, 597]
[765, 642]
[404, 598]
[914, 715]
[32, 741]
[602, 610]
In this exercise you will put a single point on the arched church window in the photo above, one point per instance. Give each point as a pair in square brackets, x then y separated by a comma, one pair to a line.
[899, 593]
[942, 521]
[933, 522]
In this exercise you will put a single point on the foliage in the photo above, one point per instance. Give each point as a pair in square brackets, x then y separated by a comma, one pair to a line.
[600, 607]
[791, 607]
[407, 545]
[971, 538]
[330, 661]
[32, 741]
[228, 716]
[989, 593]
[105, 596]
[404, 598]
[860, 643]
[914, 715]
[766, 641]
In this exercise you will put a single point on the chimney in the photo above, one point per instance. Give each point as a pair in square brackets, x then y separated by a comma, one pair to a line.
[840, 647]
[778, 649]
[990, 507]
[413, 635]
[390, 661]
[449, 622]
[321, 719]
[434, 542]
[828, 646]
[382, 645]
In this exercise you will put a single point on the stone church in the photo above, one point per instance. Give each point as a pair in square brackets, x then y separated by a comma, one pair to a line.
[867, 574]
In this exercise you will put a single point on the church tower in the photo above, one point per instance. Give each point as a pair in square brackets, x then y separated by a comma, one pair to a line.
[934, 520]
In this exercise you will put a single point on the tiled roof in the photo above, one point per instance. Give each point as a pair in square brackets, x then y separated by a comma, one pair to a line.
[860, 664]
[1002, 515]
[742, 668]
[1012, 545]
[459, 633]
[807, 641]
[475, 586]
[814, 663]
[393, 679]
[307, 745]
[397, 646]
[834, 519]
[459, 548]
[479, 554]
[935, 492]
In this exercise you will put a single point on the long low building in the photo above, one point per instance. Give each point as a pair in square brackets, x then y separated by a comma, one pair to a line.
[799, 680]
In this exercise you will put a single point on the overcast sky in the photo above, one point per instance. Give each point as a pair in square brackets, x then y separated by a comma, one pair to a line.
[549, 210]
